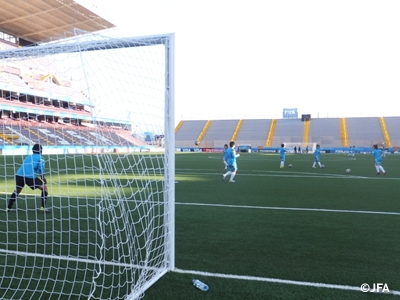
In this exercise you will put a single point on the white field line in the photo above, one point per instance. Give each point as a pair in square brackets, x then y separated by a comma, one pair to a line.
[295, 208]
[298, 158]
[78, 259]
[278, 174]
[283, 281]
[283, 174]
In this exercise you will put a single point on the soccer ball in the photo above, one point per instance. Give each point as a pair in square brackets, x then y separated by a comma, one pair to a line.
[290, 165]
[196, 143]
[348, 171]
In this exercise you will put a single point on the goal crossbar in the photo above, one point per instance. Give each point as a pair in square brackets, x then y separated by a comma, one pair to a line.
[68, 47]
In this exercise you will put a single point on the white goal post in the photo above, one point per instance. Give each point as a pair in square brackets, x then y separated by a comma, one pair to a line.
[92, 102]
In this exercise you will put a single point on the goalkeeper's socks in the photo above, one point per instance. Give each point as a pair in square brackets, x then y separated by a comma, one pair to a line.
[13, 198]
[44, 198]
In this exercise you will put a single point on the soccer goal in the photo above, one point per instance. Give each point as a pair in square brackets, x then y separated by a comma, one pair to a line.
[300, 147]
[88, 101]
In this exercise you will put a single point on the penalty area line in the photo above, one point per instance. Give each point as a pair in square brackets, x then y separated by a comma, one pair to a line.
[283, 281]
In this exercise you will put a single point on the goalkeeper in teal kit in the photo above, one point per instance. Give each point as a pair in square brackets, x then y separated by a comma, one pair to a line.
[31, 173]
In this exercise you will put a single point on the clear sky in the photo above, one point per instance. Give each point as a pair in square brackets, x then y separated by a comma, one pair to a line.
[250, 59]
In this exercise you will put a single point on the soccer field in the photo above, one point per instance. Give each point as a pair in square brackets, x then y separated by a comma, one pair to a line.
[292, 233]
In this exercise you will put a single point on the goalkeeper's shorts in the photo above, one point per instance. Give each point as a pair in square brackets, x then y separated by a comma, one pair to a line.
[33, 183]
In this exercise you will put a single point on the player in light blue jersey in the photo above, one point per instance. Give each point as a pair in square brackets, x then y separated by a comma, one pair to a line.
[231, 160]
[317, 157]
[282, 155]
[377, 154]
[31, 173]
[225, 157]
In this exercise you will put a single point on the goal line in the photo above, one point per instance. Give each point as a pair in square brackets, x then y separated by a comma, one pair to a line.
[280, 281]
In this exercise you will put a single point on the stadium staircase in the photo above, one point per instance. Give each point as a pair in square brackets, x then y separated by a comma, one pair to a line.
[385, 132]
[66, 136]
[9, 137]
[343, 132]
[35, 136]
[271, 133]
[204, 131]
[306, 134]
[178, 126]
[131, 140]
[237, 130]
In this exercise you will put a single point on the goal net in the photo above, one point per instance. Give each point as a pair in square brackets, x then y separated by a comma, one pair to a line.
[300, 147]
[103, 110]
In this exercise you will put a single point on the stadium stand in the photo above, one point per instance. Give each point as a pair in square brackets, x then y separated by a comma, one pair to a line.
[362, 132]
[38, 104]
[325, 132]
[393, 125]
[288, 131]
[35, 118]
[26, 133]
[219, 132]
[253, 132]
[188, 132]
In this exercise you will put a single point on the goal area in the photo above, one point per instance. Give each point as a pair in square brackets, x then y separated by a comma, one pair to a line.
[103, 109]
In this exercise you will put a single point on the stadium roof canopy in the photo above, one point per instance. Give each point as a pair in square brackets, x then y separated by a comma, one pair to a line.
[44, 20]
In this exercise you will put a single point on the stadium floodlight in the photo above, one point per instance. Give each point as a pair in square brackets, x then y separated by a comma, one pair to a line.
[110, 158]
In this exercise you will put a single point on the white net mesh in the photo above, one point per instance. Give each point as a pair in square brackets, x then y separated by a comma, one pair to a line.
[102, 109]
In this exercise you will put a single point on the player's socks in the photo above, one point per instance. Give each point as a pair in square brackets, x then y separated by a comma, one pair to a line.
[232, 176]
[226, 174]
[13, 198]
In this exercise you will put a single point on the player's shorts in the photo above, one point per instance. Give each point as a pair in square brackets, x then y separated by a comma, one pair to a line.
[33, 183]
[233, 167]
[282, 158]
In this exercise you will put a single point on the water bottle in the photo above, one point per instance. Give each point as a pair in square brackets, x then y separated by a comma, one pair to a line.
[200, 285]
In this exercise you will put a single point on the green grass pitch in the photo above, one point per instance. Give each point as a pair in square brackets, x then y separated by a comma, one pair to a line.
[297, 224]
[291, 233]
